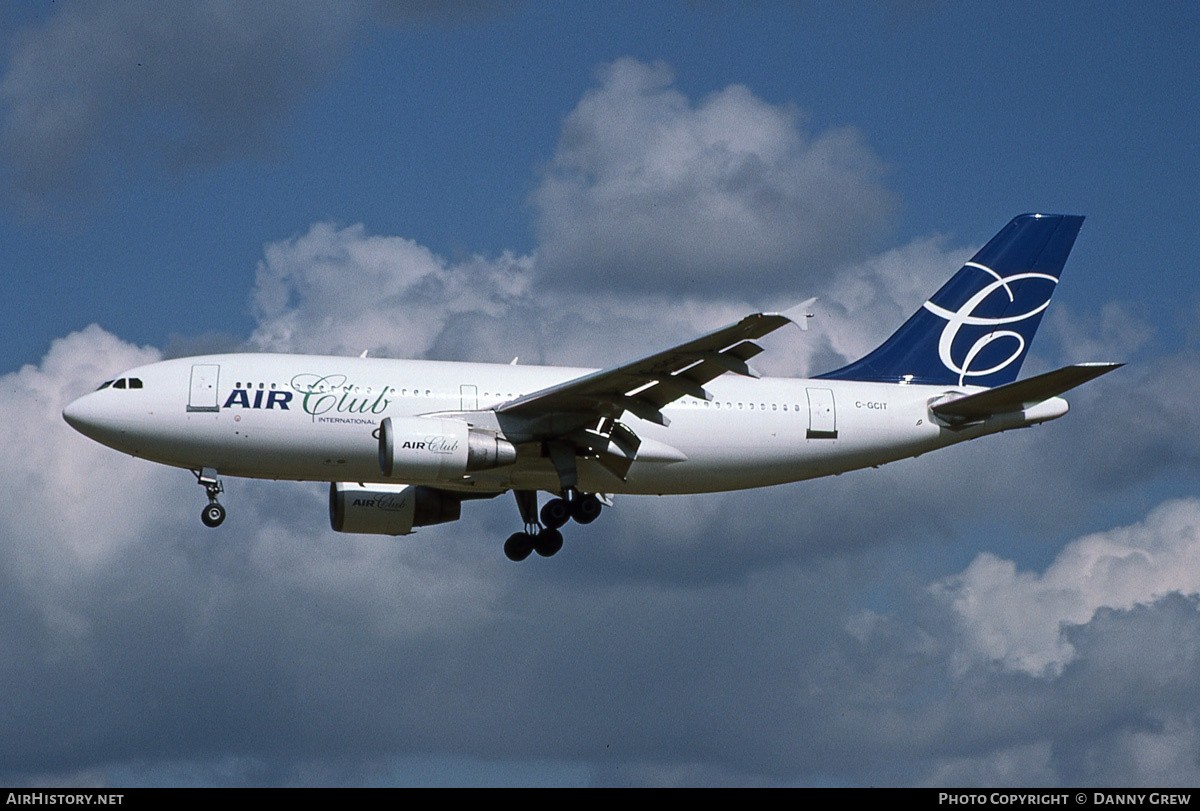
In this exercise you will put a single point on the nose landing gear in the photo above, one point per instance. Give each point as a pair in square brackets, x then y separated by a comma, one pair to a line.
[213, 514]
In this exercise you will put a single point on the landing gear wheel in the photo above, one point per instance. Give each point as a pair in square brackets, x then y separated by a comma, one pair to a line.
[518, 546]
[212, 515]
[548, 542]
[586, 509]
[555, 513]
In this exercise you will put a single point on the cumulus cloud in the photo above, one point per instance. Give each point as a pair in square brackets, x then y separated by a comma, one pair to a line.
[1018, 618]
[98, 484]
[342, 290]
[650, 190]
[1122, 711]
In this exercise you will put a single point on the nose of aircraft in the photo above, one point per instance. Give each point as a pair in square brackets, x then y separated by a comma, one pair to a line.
[76, 414]
[87, 417]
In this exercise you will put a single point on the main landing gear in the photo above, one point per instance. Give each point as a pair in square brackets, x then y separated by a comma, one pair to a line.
[214, 513]
[547, 540]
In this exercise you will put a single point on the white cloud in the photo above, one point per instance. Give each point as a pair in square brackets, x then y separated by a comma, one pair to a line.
[341, 291]
[86, 495]
[1018, 618]
[648, 190]
[69, 505]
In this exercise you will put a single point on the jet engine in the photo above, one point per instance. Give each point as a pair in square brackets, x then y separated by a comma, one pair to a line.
[389, 509]
[432, 449]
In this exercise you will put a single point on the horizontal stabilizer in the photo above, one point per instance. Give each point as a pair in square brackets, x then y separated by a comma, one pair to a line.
[1022, 394]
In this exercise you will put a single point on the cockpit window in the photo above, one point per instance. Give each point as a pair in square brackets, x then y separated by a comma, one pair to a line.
[122, 383]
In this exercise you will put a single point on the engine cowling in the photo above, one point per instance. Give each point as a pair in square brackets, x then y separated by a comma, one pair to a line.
[433, 449]
[389, 509]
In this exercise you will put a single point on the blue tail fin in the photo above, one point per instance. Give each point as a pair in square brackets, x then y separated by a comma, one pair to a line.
[977, 329]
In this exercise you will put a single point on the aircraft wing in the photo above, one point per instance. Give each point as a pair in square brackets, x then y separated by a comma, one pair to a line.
[1021, 394]
[642, 387]
[580, 417]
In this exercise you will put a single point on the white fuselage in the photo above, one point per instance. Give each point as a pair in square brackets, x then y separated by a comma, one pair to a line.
[317, 418]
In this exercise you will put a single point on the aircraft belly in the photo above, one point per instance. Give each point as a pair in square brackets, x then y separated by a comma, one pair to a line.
[768, 451]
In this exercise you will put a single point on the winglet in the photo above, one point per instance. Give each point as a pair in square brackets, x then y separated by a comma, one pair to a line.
[800, 314]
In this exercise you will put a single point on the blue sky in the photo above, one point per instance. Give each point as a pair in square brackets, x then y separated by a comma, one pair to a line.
[539, 180]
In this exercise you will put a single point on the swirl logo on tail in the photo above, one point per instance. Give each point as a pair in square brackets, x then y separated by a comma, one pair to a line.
[976, 329]
[965, 315]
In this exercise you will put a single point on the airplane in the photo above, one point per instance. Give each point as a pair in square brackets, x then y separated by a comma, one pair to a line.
[403, 443]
